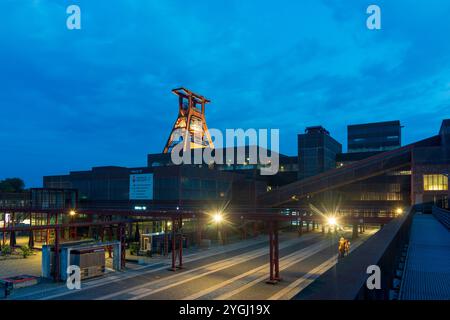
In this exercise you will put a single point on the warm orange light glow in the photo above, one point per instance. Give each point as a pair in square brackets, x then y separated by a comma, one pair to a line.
[218, 217]
[332, 221]
[72, 213]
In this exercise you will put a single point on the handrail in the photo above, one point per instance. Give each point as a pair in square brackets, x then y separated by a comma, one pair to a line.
[442, 215]
[347, 279]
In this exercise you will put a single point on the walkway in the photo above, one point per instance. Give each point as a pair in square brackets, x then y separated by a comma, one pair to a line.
[427, 272]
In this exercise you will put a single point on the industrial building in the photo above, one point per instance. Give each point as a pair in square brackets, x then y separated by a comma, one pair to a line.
[378, 136]
[163, 184]
[317, 152]
[415, 174]
[164, 207]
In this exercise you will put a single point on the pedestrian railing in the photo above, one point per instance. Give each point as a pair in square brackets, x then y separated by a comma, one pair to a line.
[442, 215]
[347, 280]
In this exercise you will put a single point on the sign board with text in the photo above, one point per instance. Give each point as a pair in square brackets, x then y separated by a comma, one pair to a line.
[141, 186]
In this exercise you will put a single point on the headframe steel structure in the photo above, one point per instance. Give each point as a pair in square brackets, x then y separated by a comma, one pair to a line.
[191, 122]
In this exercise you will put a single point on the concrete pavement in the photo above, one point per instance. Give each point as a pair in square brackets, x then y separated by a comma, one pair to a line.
[236, 271]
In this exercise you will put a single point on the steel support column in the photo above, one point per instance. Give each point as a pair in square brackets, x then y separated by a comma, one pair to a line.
[277, 253]
[47, 235]
[180, 231]
[110, 237]
[31, 234]
[274, 276]
[173, 268]
[355, 230]
[271, 256]
[166, 238]
[199, 232]
[12, 235]
[121, 236]
[4, 224]
[56, 255]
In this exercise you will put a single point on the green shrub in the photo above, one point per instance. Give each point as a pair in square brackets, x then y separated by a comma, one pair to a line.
[25, 251]
[134, 249]
[6, 250]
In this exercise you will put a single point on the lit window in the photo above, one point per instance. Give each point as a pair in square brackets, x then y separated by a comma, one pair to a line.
[435, 182]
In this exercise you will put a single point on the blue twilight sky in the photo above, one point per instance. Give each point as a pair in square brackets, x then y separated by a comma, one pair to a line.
[70, 100]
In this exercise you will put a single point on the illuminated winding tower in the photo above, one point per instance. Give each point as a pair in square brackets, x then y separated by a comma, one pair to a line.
[191, 121]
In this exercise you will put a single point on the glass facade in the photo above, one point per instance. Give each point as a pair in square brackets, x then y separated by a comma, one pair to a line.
[381, 136]
[388, 187]
[435, 182]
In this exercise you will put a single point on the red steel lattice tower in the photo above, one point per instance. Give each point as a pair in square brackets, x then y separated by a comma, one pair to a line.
[191, 121]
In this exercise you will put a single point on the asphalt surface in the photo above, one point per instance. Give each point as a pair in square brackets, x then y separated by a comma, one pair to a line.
[237, 271]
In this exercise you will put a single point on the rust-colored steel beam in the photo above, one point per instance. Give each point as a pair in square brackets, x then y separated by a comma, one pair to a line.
[180, 253]
[65, 225]
[174, 257]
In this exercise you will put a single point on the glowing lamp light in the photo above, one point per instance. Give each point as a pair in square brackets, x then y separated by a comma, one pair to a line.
[72, 213]
[217, 218]
[399, 211]
[332, 221]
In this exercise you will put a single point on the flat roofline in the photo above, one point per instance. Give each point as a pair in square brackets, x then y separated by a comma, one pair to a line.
[235, 148]
[375, 124]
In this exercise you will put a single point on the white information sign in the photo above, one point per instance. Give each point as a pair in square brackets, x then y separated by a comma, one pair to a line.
[141, 186]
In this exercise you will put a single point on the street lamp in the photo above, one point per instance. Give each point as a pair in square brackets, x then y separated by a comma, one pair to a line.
[218, 217]
[399, 211]
[72, 214]
[332, 221]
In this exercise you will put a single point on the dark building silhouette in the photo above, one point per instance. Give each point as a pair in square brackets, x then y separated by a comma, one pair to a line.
[162, 183]
[317, 152]
[384, 180]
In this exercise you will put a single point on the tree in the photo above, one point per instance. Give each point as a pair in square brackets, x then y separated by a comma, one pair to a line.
[12, 185]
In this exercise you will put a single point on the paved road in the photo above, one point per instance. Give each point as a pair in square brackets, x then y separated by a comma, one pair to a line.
[236, 271]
